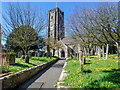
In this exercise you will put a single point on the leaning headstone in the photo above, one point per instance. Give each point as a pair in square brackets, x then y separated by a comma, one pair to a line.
[38, 54]
[23, 57]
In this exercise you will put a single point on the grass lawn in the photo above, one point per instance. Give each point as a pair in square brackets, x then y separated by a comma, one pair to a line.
[98, 73]
[20, 63]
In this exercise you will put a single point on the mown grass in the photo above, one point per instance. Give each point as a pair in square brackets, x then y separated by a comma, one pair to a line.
[98, 73]
[20, 63]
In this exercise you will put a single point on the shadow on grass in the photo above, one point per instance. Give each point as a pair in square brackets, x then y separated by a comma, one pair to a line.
[111, 70]
[38, 59]
[87, 71]
[87, 63]
[32, 64]
[20, 65]
[113, 76]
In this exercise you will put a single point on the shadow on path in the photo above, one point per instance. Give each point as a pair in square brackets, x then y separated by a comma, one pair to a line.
[25, 85]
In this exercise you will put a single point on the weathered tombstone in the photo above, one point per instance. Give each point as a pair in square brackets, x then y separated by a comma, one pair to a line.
[29, 54]
[23, 57]
[37, 54]
[19, 54]
[107, 49]
[12, 60]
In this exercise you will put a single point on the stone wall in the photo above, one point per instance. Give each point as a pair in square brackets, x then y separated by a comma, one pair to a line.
[14, 80]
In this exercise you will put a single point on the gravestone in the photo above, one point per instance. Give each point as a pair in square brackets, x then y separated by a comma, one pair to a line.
[84, 59]
[12, 60]
[23, 57]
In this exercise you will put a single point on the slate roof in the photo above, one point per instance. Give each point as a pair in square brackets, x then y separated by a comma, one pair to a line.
[68, 40]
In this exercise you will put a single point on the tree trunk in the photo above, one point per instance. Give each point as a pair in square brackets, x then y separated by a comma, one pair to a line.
[80, 59]
[103, 51]
[53, 52]
[84, 59]
[99, 52]
[48, 51]
[77, 56]
[85, 52]
[88, 52]
[26, 57]
[118, 52]
[74, 55]
[7, 56]
[58, 52]
[96, 50]
[91, 52]
[50, 55]
[107, 51]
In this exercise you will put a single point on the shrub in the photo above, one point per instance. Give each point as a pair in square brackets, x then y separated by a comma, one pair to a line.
[5, 68]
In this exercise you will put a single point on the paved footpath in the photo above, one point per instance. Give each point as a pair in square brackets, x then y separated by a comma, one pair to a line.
[46, 78]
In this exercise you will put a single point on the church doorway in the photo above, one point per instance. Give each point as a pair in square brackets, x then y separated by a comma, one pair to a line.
[62, 53]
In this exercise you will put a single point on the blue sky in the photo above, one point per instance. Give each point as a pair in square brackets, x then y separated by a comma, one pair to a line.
[66, 7]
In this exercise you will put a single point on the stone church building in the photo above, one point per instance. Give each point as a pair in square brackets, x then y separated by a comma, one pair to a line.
[56, 32]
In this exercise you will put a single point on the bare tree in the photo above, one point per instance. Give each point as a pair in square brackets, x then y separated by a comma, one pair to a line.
[0, 49]
[50, 46]
[99, 26]
[95, 27]
[23, 22]
[106, 18]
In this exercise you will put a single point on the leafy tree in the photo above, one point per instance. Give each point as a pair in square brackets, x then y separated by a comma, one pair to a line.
[23, 37]
[23, 25]
[16, 48]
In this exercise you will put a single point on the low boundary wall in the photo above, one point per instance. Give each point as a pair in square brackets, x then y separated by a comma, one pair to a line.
[14, 80]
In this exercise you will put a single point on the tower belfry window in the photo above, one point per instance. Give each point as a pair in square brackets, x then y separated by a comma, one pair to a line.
[51, 17]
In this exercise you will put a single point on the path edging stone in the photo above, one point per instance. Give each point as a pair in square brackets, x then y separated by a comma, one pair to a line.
[62, 77]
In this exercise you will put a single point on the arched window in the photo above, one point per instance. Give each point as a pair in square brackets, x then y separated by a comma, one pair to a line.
[51, 17]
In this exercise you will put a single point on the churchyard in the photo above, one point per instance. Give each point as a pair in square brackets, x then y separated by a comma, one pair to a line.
[91, 47]
[97, 73]
[21, 65]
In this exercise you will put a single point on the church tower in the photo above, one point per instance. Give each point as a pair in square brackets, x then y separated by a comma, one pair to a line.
[55, 24]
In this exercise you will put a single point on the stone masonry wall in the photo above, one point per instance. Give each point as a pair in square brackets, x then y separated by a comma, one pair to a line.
[14, 80]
